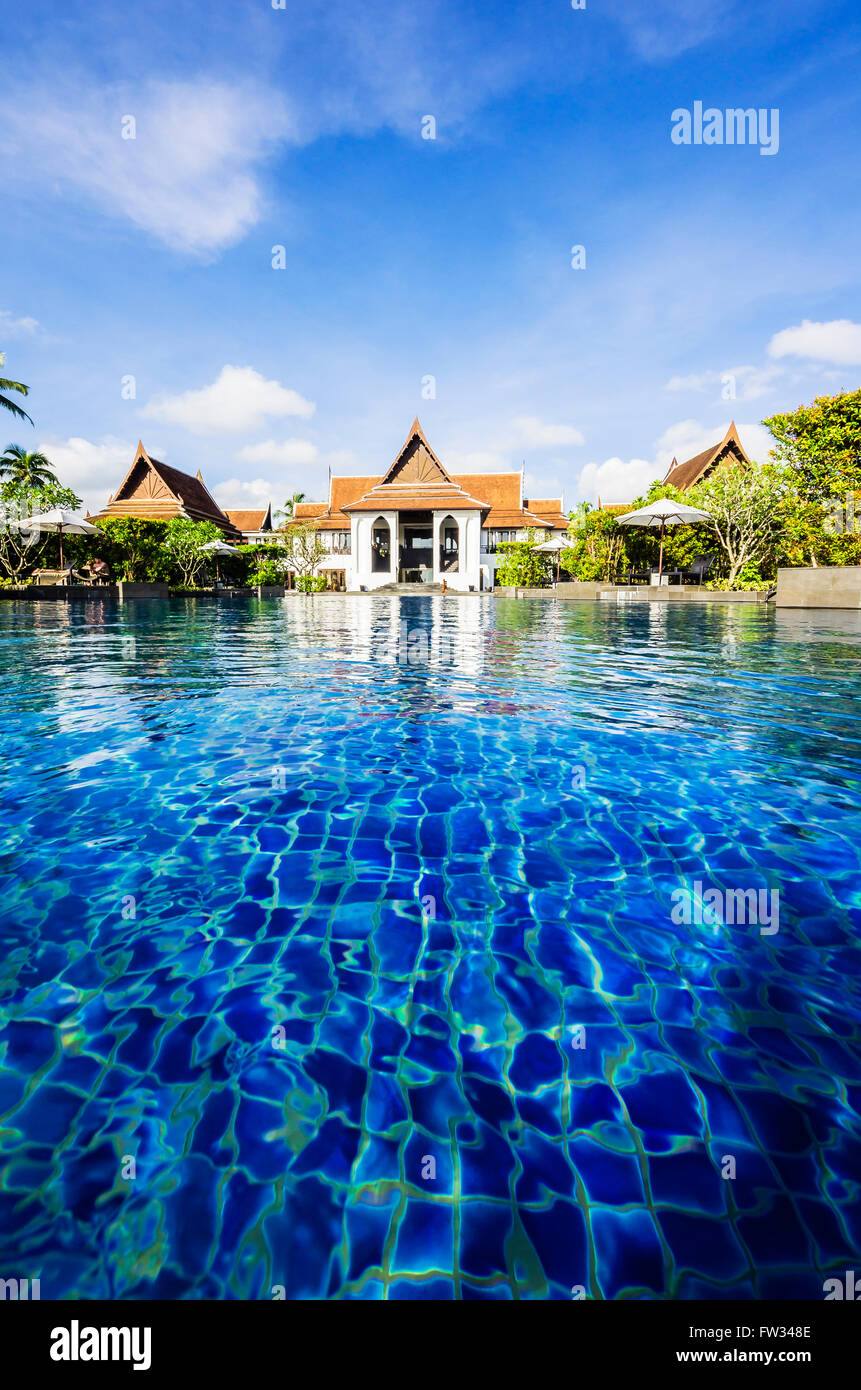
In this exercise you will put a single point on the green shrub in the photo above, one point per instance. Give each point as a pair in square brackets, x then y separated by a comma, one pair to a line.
[522, 565]
[311, 583]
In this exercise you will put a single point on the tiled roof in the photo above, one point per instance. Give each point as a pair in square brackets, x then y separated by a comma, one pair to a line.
[549, 509]
[345, 490]
[419, 497]
[247, 520]
[417, 481]
[307, 511]
[179, 495]
[684, 475]
[498, 491]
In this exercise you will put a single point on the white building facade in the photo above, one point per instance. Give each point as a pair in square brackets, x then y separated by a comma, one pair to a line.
[419, 525]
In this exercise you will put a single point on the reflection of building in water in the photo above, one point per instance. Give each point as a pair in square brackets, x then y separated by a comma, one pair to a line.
[435, 633]
[419, 524]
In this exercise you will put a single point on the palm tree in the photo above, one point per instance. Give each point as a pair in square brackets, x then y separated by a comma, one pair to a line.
[290, 506]
[7, 385]
[31, 470]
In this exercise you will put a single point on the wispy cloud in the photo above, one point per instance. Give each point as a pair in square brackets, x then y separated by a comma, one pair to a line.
[286, 454]
[239, 399]
[529, 432]
[190, 175]
[736, 383]
[10, 327]
[663, 29]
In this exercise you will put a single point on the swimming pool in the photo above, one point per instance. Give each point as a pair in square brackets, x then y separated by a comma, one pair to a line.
[343, 958]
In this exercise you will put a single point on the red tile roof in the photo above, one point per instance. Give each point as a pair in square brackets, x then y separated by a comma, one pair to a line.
[258, 519]
[693, 470]
[418, 481]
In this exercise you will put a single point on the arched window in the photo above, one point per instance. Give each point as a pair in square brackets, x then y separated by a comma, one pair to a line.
[449, 536]
[381, 546]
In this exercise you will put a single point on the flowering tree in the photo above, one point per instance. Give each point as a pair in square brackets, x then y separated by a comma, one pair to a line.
[184, 540]
[745, 505]
[305, 551]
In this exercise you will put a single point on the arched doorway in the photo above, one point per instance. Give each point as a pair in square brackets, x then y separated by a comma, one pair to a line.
[381, 546]
[449, 543]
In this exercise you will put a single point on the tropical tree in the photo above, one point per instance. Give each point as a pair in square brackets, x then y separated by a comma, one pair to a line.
[821, 445]
[183, 542]
[7, 385]
[33, 470]
[744, 503]
[134, 548]
[522, 565]
[304, 551]
[21, 546]
[597, 544]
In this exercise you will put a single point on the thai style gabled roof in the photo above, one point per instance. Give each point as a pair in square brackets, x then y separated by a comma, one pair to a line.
[155, 491]
[418, 481]
[415, 481]
[250, 520]
[693, 470]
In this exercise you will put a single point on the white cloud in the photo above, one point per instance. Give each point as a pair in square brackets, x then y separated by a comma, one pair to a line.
[286, 454]
[621, 480]
[838, 341]
[239, 399]
[190, 176]
[95, 471]
[254, 492]
[688, 437]
[10, 327]
[296, 465]
[616, 480]
[531, 433]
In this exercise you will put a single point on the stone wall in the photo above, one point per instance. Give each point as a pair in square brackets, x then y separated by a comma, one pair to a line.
[837, 586]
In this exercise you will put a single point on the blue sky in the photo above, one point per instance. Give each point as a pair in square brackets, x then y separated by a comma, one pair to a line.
[709, 269]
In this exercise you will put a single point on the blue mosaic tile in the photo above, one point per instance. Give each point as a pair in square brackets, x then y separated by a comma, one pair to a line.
[412, 1018]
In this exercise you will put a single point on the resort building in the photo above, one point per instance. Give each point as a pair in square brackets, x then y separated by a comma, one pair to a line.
[157, 492]
[694, 470]
[419, 524]
[254, 525]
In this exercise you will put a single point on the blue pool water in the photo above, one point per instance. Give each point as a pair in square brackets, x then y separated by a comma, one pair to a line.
[351, 922]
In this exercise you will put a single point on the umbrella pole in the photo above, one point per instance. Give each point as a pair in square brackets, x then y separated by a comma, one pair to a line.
[60, 534]
[661, 556]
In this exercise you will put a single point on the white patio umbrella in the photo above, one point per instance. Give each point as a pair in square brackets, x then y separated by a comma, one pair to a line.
[63, 522]
[555, 546]
[217, 548]
[663, 512]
